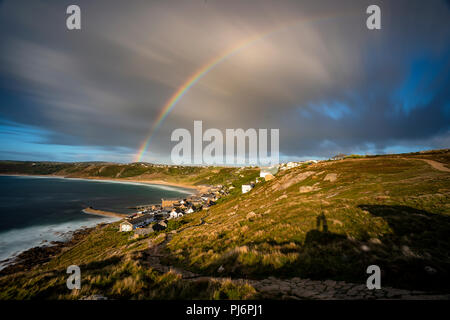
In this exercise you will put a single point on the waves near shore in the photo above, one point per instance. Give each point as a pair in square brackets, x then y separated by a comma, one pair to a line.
[34, 211]
[15, 241]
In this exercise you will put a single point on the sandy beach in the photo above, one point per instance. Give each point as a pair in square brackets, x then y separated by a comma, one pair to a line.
[199, 189]
[195, 189]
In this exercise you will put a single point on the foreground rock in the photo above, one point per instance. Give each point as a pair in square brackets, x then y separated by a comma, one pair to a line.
[95, 297]
[296, 288]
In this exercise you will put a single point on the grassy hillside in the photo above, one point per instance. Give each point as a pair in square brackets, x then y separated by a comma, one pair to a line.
[190, 175]
[111, 265]
[391, 212]
[323, 221]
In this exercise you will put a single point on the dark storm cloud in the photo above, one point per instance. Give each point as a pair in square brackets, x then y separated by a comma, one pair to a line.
[330, 84]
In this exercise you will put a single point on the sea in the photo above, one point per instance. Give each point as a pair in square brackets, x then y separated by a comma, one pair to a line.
[36, 210]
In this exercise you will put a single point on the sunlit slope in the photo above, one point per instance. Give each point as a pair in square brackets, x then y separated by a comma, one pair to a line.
[329, 220]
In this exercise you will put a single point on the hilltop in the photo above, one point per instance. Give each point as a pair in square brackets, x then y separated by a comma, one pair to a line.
[185, 176]
[321, 224]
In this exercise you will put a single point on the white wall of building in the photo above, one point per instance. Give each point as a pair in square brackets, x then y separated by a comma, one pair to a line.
[246, 188]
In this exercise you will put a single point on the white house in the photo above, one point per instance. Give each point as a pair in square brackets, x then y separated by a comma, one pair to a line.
[135, 222]
[125, 226]
[289, 165]
[190, 210]
[263, 173]
[175, 214]
[268, 170]
[246, 188]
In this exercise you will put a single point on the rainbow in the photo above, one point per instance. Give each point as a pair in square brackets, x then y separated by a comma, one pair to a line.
[200, 73]
[193, 79]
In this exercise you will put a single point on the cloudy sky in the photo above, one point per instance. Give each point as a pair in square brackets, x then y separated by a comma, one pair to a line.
[315, 72]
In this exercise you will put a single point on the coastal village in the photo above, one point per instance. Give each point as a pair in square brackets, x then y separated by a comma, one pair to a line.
[134, 255]
[155, 217]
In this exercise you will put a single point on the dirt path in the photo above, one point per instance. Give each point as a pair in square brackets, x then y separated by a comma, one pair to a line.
[436, 165]
[155, 253]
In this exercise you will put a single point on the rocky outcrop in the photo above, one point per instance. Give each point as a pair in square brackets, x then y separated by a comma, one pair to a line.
[290, 179]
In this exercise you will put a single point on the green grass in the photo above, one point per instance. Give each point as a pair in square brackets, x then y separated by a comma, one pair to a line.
[189, 175]
[111, 264]
[383, 210]
[398, 209]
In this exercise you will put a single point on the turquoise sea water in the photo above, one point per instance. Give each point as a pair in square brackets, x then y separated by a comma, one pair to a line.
[37, 210]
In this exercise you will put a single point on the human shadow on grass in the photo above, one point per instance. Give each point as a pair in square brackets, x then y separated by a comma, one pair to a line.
[321, 235]
[414, 255]
[319, 256]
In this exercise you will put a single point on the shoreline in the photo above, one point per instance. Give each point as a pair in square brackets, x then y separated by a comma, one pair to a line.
[20, 258]
[199, 189]
[41, 254]
[55, 237]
